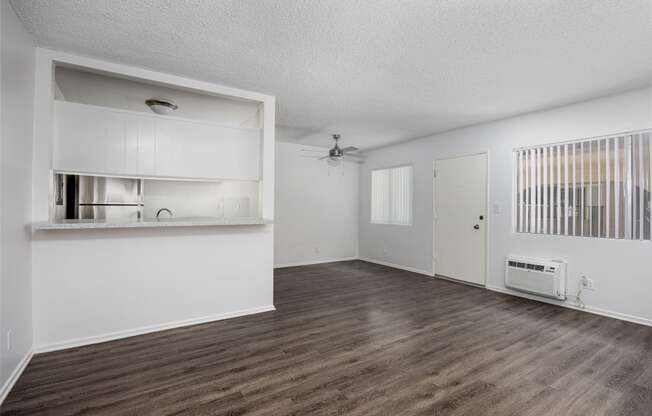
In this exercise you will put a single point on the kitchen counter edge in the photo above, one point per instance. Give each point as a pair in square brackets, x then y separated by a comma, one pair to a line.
[185, 222]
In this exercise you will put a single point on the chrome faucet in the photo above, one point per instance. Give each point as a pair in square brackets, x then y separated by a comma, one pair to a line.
[163, 209]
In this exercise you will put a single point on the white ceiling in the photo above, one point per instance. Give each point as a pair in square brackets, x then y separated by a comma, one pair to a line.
[377, 71]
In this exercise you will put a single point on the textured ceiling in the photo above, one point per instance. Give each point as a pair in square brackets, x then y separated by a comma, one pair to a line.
[375, 70]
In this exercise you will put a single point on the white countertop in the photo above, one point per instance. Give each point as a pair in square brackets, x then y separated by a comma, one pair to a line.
[146, 223]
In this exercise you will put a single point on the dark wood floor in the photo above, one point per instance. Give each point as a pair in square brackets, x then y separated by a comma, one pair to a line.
[354, 338]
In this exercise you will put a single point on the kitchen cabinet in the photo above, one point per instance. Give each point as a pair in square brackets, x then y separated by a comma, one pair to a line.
[93, 139]
[80, 138]
[140, 146]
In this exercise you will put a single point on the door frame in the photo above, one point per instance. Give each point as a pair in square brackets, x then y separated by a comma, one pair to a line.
[487, 217]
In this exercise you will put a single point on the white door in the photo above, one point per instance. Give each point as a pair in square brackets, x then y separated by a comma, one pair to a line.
[460, 226]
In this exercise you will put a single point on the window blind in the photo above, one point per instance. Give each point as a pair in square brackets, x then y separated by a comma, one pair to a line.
[391, 196]
[598, 187]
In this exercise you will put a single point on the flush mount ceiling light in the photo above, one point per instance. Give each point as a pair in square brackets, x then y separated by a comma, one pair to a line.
[161, 106]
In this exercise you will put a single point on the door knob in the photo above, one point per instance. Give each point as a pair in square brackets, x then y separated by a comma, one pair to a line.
[476, 227]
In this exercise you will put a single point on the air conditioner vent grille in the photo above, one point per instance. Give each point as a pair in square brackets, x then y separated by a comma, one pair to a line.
[521, 265]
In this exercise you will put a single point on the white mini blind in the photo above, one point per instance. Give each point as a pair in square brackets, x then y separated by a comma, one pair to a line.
[598, 187]
[391, 196]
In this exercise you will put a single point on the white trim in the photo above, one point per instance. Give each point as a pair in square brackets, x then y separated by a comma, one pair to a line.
[397, 266]
[15, 375]
[489, 212]
[589, 309]
[404, 165]
[311, 262]
[148, 329]
[462, 282]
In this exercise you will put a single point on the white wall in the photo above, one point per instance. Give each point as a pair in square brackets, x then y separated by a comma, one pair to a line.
[316, 208]
[91, 285]
[621, 269]
[17, 91]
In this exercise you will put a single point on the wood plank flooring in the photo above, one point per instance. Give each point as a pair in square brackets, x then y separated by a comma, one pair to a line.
[354, 338]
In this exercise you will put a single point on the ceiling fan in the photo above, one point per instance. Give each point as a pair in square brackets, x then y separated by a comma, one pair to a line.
[337, 154]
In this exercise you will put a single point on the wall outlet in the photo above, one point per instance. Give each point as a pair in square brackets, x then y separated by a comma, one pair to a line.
[316, 250]
[587, 283]
[9, 340]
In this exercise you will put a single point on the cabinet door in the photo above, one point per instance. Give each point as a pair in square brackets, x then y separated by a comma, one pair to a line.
[203, 150]
[238, 153]
[146, 146]
[170, 143]
[115, 142]
[92, 139]
[140, 146]
[80, 138]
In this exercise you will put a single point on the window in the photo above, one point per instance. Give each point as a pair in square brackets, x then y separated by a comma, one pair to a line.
[597, 187]
[391, 196]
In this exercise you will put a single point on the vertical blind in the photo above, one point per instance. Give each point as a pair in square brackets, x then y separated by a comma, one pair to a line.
[391, 196]
[598, 187]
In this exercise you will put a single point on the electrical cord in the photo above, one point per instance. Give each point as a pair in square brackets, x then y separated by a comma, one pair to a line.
[578, 298]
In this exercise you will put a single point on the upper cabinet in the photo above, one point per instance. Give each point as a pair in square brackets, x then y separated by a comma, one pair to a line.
[93, 139]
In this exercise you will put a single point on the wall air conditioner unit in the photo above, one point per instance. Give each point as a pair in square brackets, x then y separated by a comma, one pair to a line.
[537, 276]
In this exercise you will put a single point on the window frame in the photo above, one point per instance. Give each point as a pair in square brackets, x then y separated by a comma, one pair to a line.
[411, 198]
[629, 176]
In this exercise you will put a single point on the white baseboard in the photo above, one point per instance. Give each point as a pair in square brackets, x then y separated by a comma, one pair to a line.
[147, 329]
[9, 384]
[590, 309]
[311, 262]
[397, 266]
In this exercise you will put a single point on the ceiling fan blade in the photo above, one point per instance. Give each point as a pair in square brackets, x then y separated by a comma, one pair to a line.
[314, 157]
[357, 162]
[314, 150]
[353, 158]
[350, 149]
[356, 155]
